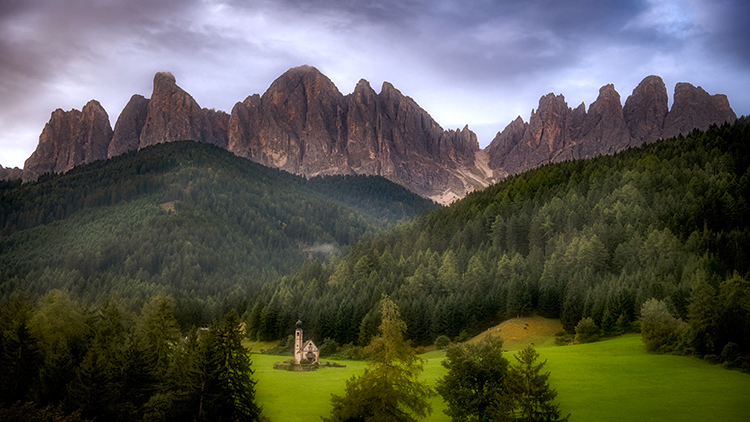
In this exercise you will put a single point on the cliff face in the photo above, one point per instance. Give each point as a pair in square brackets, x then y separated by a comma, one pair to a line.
[127, 134]
[304, 125]
[68, 139]
[646, 109]
[556, 133]
[297, 125]
[694, 108]
[173, 115]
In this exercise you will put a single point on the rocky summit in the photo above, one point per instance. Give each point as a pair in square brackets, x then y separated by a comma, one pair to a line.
[70, 138]
[556, 132]
[304, 125]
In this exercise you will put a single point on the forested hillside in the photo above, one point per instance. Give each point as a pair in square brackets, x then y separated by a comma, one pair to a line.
[591, 238]
[186, 219]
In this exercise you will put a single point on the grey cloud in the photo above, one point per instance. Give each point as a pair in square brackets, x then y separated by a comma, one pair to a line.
[62, 53]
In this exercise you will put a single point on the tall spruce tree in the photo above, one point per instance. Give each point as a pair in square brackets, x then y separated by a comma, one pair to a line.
[229, 389]
[390, 389]
[20, 357]
[530, 390]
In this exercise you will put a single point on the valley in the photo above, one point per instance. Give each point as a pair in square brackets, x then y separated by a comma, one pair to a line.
[107, 264]
[613, 380]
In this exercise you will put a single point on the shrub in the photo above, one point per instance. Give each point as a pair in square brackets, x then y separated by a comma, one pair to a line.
[442, 342]
[461, 337]
[587, 331]
[730, 353]
[562, 338]
[329, 347]
[660, 331]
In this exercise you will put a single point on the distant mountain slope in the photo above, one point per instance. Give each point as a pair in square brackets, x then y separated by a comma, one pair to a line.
[185, 218]
[585, 238]
[303, 124]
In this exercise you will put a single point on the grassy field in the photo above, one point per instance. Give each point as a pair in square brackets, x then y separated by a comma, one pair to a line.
[518, 333]
[613, 380]
[305, 396]
[616, 380]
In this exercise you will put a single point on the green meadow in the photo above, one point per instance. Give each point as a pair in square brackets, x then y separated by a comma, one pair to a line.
[616, 380]
[613, 380]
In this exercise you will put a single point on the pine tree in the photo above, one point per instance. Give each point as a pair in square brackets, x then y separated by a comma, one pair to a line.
[389, 390]
[530, 390]
[475, 386]
[227, 390]
[100, 379]
[158, 331]
[20, 357]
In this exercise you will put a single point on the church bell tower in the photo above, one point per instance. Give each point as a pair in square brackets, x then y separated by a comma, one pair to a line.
[298, 343]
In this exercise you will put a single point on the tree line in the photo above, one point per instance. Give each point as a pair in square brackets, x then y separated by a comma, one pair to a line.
[66, 361]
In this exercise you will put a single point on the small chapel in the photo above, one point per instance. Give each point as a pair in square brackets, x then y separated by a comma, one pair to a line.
[304, 353]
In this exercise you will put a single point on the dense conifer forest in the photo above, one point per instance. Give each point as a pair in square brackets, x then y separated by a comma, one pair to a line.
[186, 219]
[107, 271]
[589, 240]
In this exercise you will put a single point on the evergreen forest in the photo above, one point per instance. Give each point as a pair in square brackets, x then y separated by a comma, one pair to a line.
[589, 240]
[185, 219]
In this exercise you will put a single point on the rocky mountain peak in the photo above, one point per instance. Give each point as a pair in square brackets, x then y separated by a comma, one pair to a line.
[173, 115]
[68, 139]
[127, 134]
[604, 130]
[362, 86]
[608, 99]
[303, 124]
[555, 132]
[299, 89]
[363, 92]
[164, 82]
[10, 173]
[645, 110]
[694, 108]
[96, 133]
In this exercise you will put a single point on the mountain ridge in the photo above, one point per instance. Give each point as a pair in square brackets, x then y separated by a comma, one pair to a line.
[303, 124]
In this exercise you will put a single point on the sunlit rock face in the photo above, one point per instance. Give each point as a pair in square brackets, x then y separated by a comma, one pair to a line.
[173, 115]
[68, 139]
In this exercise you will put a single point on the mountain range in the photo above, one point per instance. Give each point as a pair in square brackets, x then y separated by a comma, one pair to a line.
[304, 125]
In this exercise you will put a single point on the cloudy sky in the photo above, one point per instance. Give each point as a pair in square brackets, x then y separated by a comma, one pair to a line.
[475, 62]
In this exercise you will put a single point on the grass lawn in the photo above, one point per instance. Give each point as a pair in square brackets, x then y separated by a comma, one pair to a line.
[298, 396]
[306, 396]
[616, 380]
[613, 380]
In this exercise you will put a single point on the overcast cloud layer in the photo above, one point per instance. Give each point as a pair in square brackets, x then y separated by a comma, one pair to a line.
[477, 62]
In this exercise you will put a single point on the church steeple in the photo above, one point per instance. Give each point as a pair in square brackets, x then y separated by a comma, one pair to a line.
[298, 343]
[306, 352]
